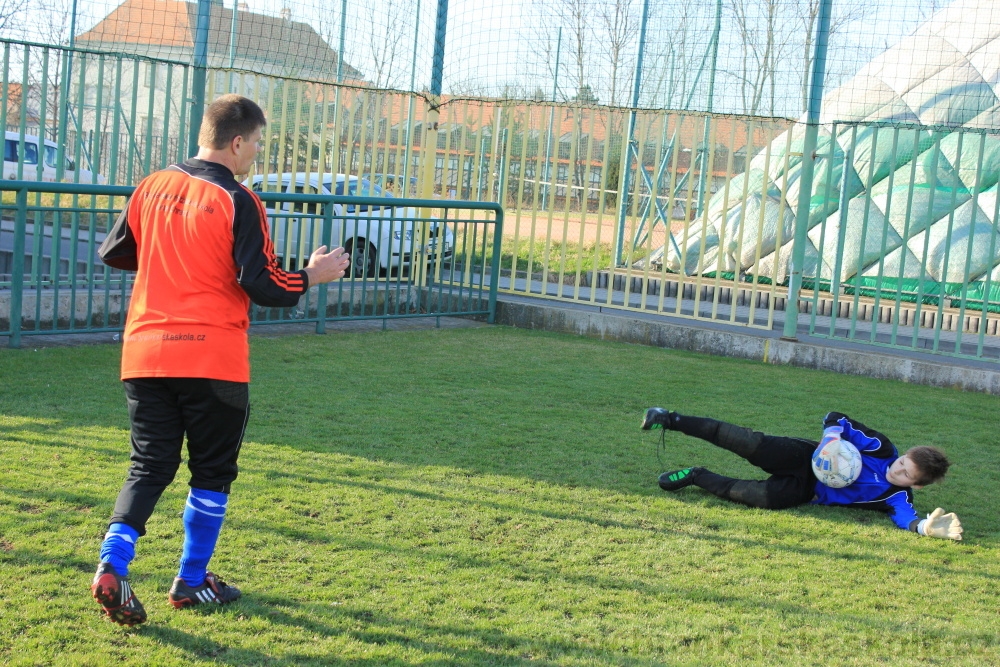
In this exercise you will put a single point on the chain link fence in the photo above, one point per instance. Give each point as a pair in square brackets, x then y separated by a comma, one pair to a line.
[665, 139]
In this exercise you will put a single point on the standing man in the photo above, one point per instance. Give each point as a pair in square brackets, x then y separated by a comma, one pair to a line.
[198, 242]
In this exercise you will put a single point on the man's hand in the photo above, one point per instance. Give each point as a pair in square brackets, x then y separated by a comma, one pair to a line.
[325, 267]
[938, 524]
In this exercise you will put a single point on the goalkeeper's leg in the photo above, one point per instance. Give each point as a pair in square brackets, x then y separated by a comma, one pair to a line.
[775, 493]
[773, 454]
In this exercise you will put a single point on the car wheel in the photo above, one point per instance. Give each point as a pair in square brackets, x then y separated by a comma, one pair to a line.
[364, 259]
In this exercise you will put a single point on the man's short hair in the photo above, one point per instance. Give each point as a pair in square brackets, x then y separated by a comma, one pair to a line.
[229, 117]
[931, 462]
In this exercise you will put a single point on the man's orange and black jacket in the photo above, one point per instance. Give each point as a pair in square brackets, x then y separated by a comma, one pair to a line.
[199, 244]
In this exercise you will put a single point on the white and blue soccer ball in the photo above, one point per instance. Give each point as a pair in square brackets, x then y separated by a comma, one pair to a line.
[836, 463]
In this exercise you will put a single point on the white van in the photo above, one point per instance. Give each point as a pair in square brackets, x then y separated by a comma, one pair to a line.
[377, 237]
[48, 155]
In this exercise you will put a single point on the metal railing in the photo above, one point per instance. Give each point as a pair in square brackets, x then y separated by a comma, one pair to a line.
[908, 255]
[902, 247]
[413, 258]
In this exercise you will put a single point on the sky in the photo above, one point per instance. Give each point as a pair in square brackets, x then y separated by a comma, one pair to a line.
[490, 44]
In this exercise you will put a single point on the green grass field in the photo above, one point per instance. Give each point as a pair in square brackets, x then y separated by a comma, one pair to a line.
[485, 496]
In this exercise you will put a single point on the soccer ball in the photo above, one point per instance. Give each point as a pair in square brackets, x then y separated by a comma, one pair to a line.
[836, 463]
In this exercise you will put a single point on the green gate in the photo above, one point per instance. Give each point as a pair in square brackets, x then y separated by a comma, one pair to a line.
[417, 258]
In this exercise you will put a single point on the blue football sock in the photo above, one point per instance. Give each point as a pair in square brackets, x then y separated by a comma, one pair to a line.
[119, 547]
[203, 517]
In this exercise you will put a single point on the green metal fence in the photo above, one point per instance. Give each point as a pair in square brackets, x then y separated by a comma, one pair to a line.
[412, 258]
[905, 239]
[902, 246]
[668, 212]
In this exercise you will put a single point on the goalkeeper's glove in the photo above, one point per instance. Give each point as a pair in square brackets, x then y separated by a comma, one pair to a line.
[831, 433]
[938, 524]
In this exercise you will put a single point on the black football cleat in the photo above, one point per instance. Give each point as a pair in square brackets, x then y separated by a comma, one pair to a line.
[116, 596]
[659, 418]
[212, 590]
[678, 479]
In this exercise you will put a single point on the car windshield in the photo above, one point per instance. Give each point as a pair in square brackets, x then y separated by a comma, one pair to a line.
[368, 189]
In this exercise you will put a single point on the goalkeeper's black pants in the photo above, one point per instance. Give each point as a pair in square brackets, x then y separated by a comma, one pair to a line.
[211, 413]
[787, 460]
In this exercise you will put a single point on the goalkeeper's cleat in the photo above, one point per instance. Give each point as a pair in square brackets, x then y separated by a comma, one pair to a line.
[116, 596]
[678, 479]
[659, 418]
[212, 590]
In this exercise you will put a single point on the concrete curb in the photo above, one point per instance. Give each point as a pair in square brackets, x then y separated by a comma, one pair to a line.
[766, 348]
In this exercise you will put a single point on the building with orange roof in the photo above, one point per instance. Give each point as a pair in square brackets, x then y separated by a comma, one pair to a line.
[17, 101]
[131, 77]
[270, 45]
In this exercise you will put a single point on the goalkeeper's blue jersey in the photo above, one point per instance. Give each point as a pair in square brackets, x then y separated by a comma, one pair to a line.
[871, 490]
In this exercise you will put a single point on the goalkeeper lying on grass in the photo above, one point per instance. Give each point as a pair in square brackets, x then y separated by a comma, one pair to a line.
[885, 483]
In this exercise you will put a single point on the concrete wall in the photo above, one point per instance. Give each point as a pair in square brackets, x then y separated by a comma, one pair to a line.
[766, 347]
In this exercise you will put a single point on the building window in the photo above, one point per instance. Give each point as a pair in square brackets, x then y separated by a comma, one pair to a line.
[221, 81]
[156, 74]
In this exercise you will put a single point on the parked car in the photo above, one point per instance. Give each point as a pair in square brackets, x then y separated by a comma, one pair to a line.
[378, 238]
[392, 184]
[48, 155]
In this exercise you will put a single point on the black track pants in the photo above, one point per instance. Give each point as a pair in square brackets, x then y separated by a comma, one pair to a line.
[212, 413]
[787, 460]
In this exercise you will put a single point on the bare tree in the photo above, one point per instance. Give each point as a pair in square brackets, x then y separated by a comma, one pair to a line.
[807, 12]
[772, 35]
[670, 60]
[379, 38]
[52, 21]
[619, 23]
[763, 41]
[11, 15]
[572, 52]
[387, 54]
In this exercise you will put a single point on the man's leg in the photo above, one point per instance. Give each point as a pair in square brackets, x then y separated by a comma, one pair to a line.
[216, 414]
[156, 438]
[157, 434]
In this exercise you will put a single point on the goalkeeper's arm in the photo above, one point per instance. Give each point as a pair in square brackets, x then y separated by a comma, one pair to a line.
[938, 524]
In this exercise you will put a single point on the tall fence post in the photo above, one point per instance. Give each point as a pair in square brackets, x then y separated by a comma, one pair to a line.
[67, 76]
[706, 150]
[628, 148]
[200, 63]
[322, 290]
[552, 114]
[808, 168]
[232, 45]
[495, 265]
[428, 146]
[17, 268]
[410, 110]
